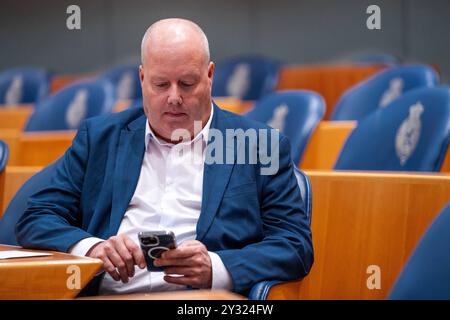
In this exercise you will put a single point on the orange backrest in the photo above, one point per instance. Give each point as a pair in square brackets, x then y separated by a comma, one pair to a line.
[331, 81]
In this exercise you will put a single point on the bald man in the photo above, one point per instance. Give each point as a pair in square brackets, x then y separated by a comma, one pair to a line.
[159, 168]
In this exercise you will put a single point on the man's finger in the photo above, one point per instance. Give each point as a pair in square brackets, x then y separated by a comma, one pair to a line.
[117, 262]
[179, 280]
[136, 252]
[126, 256]
[173, 262]
[185, 271]
[179, 253]
[110, 268]
[190, 243]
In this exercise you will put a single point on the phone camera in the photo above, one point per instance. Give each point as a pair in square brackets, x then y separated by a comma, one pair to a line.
[151, 240]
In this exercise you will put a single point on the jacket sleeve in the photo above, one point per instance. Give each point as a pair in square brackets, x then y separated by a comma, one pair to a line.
[52, 219]
[286, 251]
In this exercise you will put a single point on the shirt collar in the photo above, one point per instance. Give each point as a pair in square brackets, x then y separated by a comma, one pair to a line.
[203, 134]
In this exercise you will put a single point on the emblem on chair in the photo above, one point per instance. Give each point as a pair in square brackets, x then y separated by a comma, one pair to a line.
[393, 92]
[77, 109]
[15, 91]
[125, 86]
[409, 133]
[239, 81]
[278, 118]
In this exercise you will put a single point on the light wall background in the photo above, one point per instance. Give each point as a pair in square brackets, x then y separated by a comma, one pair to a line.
[292, 31]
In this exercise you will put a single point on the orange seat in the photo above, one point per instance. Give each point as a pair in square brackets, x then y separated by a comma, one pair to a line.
[11, 179]
[60, 81]
[15, 117]
[328, 80]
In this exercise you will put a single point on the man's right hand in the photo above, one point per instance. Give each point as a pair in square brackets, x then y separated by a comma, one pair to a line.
[119, 255]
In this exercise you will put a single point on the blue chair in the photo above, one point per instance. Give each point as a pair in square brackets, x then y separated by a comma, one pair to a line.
[23, 85]
[245, 78]
[68, 107]
[260, 291]
[125, 79]
[381, 89]
[295, 113]
[411, 134]
[4, 154]
[19, 203]
[427, 273]
[136, 103]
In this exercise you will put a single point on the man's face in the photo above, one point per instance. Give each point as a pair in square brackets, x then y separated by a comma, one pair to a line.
[176, 89]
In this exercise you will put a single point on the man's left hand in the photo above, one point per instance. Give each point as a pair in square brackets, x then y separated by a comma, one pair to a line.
[191, 261]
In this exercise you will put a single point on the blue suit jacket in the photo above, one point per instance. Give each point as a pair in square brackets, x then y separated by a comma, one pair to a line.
[255, 223]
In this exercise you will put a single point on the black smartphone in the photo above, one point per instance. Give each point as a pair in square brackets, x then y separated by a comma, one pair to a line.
[153, 244]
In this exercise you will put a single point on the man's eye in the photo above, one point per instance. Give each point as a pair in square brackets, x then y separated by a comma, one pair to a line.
[161, 85]
[187, 84]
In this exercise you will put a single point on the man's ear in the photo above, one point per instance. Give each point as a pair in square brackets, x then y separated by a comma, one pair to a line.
[141, 73]
[211, 70]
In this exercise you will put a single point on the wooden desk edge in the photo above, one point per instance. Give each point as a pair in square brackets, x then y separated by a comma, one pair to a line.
[174, 295]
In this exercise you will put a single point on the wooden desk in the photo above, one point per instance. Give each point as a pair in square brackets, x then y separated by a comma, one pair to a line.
[233, 105]
[42, 148]
[15, 117]
[363, 219]
[44, 277]
[325, 145]
[36, 148]
[11, 137]
[11, 179]
[174, 295]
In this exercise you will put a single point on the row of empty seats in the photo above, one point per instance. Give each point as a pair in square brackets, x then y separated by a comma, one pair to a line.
[247, 78]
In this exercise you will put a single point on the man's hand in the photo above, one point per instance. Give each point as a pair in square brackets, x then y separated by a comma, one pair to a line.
[192, 261]
[119, 255]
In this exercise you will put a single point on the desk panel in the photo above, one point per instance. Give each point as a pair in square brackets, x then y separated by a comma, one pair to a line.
[361, 220]
[51, 277]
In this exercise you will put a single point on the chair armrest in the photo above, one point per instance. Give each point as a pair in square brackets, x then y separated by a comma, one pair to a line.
[260, 291]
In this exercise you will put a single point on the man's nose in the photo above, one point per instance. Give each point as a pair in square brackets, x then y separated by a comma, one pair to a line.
[175, 96]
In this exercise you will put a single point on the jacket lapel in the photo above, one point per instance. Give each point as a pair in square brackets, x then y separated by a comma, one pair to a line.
[130, 153]
[215, 179]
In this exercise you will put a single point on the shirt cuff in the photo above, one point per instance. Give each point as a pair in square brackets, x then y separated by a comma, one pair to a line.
[83, 246]
[221, 278]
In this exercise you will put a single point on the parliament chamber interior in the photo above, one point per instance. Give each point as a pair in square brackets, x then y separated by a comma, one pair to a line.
[360, 89]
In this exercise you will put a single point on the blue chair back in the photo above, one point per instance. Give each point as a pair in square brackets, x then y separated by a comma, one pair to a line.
[19, 203]
[125, 79]
[427, 273]
[260, 291]
[381, 89]
[67, 108]
[23, 85]
[411, 134]
[4, 154]
[294, 113]
[305, 191]
[245, 78]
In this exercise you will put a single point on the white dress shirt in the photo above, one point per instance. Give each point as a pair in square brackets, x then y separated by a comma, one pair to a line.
[168, 196]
